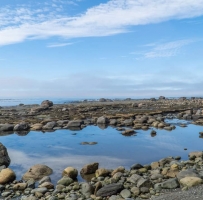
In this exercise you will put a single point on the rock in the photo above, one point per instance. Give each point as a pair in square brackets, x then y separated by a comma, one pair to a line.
[70, 172]
[23, 126]
[75, 123]
[6, 127]
[134, 178]
[196, 154]
[187, 173]
[7, 175]
[155, 165]
[36, 127]
[37, 172]
[162, 98]
[31, 183]
[41, 190]
[119, 169]
[4, 157]
[20, 186]
[170, 184]
[109, 190]
[128, 132]
[49, 125]
[190, 181]
[102, 120]
[45, 179]
[102, 172]
[135, 191]
[125, 193]
[86, 189]
[136, 166]
[47, 185]
[142, 182]
[47, 103]
[89, 168]
[66, 181]
[113, 122]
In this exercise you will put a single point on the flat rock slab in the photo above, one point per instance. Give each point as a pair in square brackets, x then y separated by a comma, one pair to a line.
[109, 190]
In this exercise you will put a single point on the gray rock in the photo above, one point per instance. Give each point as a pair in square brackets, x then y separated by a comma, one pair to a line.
[102, 120]
[4, 157]
[170, 184]
[5, 194]
[45, 179]
[49, 125]
[31, 197]
[86, 190]
[23, 126]
[46, 103]
[136, 166]
[109, 190]
[42, 190]
[66, 181]
[125, 193]
[142, 182]
[31, 183]
[6, 127]
[75, 123]
[134, 178]
[187, 173]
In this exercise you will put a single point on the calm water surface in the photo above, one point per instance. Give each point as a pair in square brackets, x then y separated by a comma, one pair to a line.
[62, 148]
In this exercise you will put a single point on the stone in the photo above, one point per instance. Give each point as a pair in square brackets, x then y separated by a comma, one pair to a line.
[119, 169]
[41, 190]
[196, 154]
[109, 190]
[49, 125]
[142, 182]
[47, 103]
[23, 126]
[170, 184]
[154, 165]
[102, 120]
[20, 186]
[4, 157]
[37, 172]
[89, 168]
[136, 166]
[6, 176]
[190, 181]
[31, 183]
[86, 189]
[47, 185]
[134, 178]
[66, 181]
[75, 123]
[187, 173]
[36, 127]
[125, 193]
[70, 172]
[45, 179]
[102, 172]
[135, 191]
[6, 127]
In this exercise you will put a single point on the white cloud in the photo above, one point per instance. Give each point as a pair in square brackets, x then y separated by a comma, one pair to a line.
[59, 45]
[109, 18]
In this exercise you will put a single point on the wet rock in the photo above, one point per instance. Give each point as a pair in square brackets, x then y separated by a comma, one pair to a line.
[70, 172]
[49, 125]
[4, 157]
[6, 127]
[47, 185]
[37, 172]
[7, 175]
[36, 127]
[66, 181]
[75, 123]
[23, 126]
[102, 172]
[109, 190]
[128, 132]
[89, 168]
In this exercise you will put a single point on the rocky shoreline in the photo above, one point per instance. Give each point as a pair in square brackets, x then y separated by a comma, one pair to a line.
[140, 182]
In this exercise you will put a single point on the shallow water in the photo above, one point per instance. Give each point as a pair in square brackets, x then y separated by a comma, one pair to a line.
[62, 148]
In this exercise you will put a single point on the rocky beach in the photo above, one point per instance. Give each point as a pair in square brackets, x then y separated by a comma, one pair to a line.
[168, 175]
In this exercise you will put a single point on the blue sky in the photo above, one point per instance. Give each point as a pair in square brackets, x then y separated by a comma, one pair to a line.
[115, 48]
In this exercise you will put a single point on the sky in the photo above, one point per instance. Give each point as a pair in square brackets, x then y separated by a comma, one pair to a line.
[101, 48]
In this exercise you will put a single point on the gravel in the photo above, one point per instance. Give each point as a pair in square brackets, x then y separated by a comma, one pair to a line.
[191, 194]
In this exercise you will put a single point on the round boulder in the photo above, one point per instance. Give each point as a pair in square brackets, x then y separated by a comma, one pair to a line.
[7, 175]
[70, 172]
[4, 157]
[37, 172]
[47, 103]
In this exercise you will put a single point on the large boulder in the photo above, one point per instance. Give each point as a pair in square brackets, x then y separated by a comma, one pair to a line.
[4, 157]
[190, 181]
[89, 168]
[49, 125]
[23, 126]
[187, 173]
[6, 176]
[47, 103]
[75, 123]
[6, 127]
[70, 172]
[37, 172]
